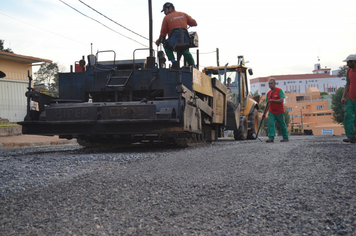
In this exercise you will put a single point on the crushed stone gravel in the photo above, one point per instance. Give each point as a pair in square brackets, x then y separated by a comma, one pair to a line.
[303, 187]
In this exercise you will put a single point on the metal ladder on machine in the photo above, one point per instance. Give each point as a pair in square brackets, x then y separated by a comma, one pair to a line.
[112, 77]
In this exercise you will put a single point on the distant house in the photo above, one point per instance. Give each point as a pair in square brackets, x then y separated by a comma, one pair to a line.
[298, 83]
[13, 86]
[312, 112]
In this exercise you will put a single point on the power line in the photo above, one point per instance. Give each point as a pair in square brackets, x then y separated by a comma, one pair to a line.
[43, 29]
[112, 20]
[102, 24]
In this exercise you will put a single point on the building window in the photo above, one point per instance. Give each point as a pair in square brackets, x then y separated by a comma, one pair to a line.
[263, 85]
[319, 107]
[263, 93]
[328, 114]
[288, 108]
[331, 90]
[300, 81]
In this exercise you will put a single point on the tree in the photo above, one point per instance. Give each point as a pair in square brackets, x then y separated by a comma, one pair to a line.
[262, 106]
[343, 70]
[2, 47]
[337, 106]
[48, 75]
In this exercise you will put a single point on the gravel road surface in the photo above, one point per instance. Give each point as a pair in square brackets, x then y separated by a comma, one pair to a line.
[304, 187]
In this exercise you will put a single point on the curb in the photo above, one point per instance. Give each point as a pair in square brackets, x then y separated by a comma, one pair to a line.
[10, 131]
[37, 144]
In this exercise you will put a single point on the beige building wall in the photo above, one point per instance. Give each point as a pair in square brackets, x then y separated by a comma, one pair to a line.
[15, 70]
[13, 102]
[314, 112]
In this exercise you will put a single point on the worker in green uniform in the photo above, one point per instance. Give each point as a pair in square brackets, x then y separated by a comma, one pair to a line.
[275, 100]
[174, 19]
[349, 98]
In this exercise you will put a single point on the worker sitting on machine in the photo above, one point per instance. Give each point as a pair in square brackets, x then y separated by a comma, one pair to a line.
[171, 22]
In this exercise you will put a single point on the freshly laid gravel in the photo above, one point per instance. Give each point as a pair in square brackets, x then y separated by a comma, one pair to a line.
[304, 187]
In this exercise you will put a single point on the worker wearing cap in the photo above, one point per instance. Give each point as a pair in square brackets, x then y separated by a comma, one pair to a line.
[350, 100]
[275, 99]
[175, 19]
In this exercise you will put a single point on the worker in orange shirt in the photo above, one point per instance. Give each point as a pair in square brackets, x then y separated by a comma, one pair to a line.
[175, 19]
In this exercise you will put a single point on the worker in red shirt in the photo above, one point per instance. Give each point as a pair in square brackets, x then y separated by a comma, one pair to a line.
[350, 100]
[175, 19]
[275, 99]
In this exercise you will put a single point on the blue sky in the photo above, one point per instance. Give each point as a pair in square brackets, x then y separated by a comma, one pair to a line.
[276, 37]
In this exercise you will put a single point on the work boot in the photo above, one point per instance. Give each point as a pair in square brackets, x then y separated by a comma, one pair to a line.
[285, 140]
[269, 141]
[349, 140]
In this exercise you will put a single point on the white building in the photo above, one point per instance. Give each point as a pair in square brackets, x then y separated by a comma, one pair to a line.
[13, 102]
[299, 83]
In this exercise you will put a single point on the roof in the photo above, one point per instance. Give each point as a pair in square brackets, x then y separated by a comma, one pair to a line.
[21, 58]
[223, 67]
[312, 90]
[292, 77]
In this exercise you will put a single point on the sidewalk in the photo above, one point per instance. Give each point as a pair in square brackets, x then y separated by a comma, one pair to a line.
[25, 140]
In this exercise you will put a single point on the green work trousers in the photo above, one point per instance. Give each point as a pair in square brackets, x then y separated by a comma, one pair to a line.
[187, 56]
[272, 128]
[350, 110]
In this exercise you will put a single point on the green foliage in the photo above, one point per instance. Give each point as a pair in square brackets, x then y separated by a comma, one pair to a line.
[48, 75]
[262, 106]
[322, 94]
[8, 124]
[256, 93]
[337, 106]
[2, 47]
[343, 70]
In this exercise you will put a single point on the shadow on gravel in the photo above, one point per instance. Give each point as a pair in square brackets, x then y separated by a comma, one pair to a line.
[132, 148]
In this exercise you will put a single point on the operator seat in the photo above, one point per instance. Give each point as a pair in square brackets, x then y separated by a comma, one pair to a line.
[180, 40]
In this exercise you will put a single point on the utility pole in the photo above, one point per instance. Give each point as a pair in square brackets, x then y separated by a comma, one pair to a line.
[217, 57]
[301, 118]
